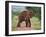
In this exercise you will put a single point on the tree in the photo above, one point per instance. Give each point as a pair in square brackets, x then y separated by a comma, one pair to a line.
[36, 11]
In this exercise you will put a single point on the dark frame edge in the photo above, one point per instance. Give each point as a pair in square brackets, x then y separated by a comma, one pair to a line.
[24, 2]
[44, 18]
[6, 18]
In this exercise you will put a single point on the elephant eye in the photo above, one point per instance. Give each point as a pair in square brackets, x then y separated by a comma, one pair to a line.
[30, 12]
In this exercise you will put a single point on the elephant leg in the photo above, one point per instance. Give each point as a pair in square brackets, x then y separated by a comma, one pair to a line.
[28, 23]
[18, 25]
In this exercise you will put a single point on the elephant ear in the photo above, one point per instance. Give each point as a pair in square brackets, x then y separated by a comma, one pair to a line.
[31, 14]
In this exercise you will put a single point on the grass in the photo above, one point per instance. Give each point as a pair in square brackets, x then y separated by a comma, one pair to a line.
[35, 23]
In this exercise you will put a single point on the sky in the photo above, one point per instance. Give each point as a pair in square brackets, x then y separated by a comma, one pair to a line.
[18, 8]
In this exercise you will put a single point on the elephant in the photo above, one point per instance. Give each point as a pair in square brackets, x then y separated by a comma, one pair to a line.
[25, 16]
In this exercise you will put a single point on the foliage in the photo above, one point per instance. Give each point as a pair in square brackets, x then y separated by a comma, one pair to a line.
[36, 11]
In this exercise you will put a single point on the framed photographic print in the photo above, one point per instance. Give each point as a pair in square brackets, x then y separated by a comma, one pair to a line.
[24, 18]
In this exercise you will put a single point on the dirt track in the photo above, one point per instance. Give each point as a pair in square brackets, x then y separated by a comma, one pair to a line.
[23, 26]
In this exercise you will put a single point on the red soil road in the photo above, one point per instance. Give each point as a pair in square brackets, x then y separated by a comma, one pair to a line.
[23, 27]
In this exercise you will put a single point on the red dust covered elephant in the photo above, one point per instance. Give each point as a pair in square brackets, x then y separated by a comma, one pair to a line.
[25, 16]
